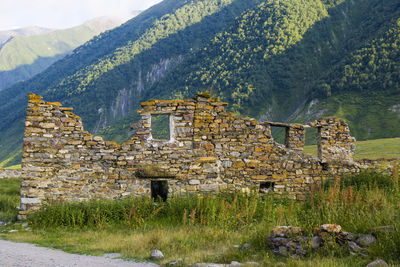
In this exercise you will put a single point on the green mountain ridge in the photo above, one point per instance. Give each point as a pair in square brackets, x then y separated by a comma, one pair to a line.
[290, 60]
[26, 31]
[26, 54]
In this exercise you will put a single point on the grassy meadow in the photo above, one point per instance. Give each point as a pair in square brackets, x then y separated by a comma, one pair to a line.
[213, 228]
[371, 149]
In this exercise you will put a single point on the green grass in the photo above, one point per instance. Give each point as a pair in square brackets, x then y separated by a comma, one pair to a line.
[14, 167]
[371, 149]
[10, 162]
[9, 199]
[206, 229]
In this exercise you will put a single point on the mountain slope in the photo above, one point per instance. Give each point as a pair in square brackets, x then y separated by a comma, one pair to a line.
[276, 60]
[21, 57]
[278, 78]
[27, 31]
[154, 42]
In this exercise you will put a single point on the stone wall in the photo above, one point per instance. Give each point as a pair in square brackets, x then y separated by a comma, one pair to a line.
[208, 150]
[6, 173]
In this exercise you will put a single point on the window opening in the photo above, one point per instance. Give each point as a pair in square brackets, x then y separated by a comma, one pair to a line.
[311, 147]
[159, 190]
[160, 127]
[266, 187]
[325, 166]
[279, 134]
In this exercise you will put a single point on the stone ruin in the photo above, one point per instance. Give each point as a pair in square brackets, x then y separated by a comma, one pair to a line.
[9, 173]
[208, 150]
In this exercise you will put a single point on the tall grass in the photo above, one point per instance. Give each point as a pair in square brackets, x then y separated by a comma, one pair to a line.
[228, 211]
[359, 203]
[9, 199]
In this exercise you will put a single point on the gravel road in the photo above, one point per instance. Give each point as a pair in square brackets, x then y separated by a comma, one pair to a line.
[22, 254]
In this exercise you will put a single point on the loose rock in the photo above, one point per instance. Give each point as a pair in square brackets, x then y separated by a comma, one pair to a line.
[329, 228]
[156, 255]
[245, 246]
[316, 242]
[345, 236]
[283, 251]
[209, 265]
[377, 263]
[353, 247]
[176, 261]
[366, 240]
[285, 231]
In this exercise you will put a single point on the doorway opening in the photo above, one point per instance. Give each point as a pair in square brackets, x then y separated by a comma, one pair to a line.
[267, 187]
[159, 190]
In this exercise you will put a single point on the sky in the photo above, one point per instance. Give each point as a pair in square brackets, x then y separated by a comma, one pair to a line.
[60, 14]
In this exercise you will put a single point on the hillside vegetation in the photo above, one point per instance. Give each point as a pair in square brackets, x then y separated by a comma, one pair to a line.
[293, 60]
[26, 54]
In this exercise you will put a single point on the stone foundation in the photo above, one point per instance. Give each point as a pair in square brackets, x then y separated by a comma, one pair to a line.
[6, 173]
[208, 150]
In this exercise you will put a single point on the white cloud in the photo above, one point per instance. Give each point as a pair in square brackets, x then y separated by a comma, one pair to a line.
[62, 13]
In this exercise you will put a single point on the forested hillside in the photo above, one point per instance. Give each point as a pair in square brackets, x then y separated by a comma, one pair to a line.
[302, 61]
[292, 60]
[115, 68]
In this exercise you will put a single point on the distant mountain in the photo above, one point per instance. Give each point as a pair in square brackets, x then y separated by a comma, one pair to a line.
[29, 51]
[291, 60]
[27, 31]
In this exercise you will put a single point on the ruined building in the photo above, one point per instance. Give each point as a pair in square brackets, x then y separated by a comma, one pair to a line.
[208, 150]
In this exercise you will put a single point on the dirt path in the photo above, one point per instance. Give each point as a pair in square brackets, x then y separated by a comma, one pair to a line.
[22, 254]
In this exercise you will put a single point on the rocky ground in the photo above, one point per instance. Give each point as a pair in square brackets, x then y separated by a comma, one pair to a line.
[284, 241]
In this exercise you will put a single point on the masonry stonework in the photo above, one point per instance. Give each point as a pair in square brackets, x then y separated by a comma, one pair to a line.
[7, 173]
[209, 150]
